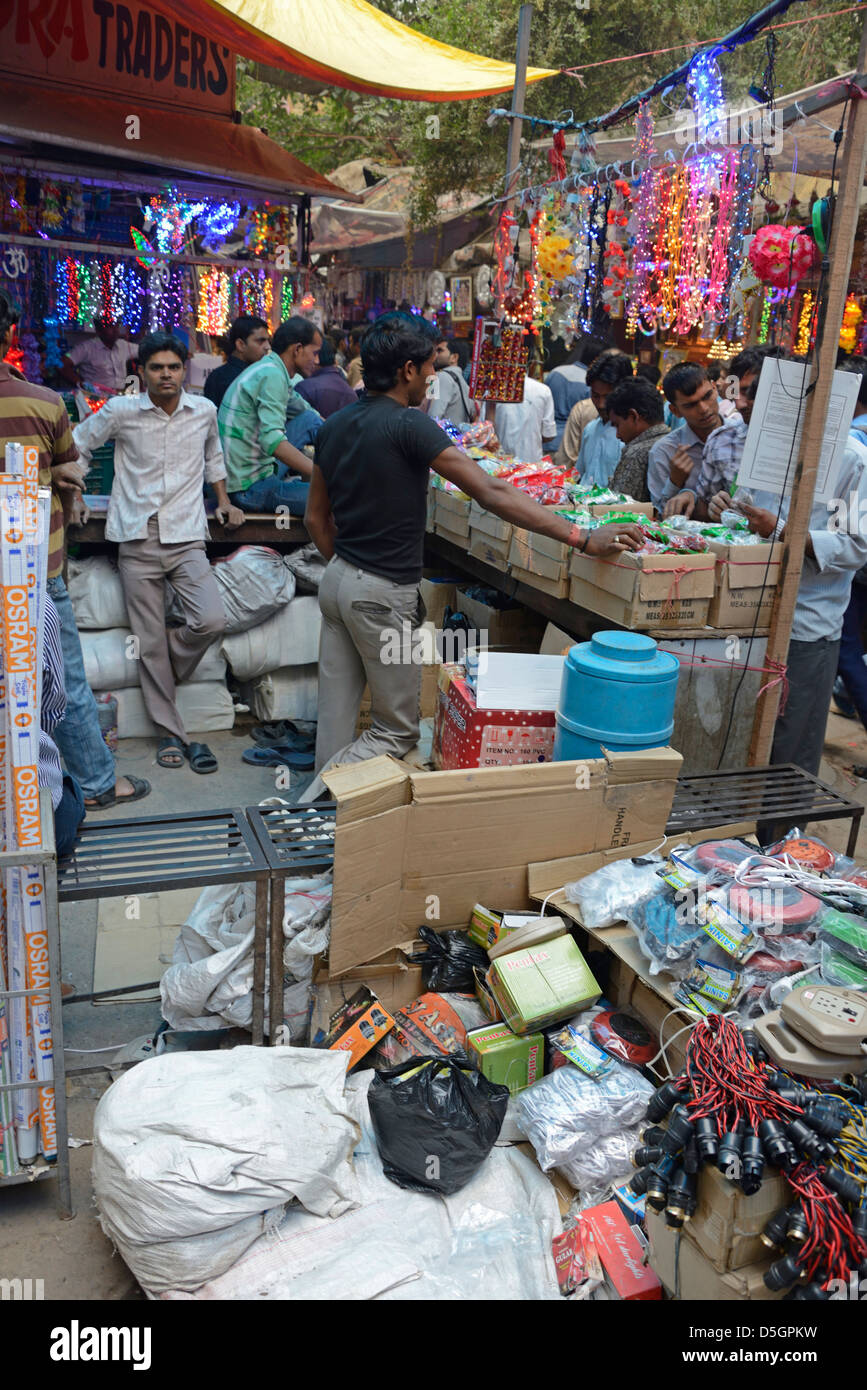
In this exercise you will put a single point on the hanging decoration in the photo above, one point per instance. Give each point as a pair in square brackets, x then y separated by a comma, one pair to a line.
[213, 311]
[53, 358]
[781, 256]
[287, 295]
[215, 222]
[805, 321]
[852, 317]
[147, 256]
[765, 320]
[170, 215]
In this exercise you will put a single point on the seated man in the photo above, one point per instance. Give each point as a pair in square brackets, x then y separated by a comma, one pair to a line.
[252, 424]
[635, 411]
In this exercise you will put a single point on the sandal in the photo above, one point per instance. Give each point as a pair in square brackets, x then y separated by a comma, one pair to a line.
[282, 731]
[168, 746]
[140, 788]
[282, 755]
[201, 758]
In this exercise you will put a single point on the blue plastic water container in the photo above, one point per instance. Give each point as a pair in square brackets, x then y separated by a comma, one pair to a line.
[618, 691]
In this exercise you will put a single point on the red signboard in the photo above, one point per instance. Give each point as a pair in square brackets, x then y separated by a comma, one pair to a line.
[110, 48]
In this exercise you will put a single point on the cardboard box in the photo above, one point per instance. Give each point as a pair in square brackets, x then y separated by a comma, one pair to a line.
[621, 1253]
[747, 578]
[727, 1224]
[488, 927]
[459, 539]
[357, 1026]
[489, 525]
[467, 736]
[438, 594]
[513, 628]
[539, 554]
[556, 642]
[688, 1275]
[391, 977]
[555, 588]
[490, 552]
[408, 843]
[542, 984]
[452, 513]
[603, 508]
[641, 591]
[506, 1059]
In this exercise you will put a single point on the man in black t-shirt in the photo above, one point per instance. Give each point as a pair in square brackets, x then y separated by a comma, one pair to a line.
[366, 513]
[249, 340]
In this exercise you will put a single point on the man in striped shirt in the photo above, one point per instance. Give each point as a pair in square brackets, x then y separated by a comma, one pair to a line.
[33, 415]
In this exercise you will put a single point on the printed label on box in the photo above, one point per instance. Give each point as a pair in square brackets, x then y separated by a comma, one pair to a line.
[504, 745]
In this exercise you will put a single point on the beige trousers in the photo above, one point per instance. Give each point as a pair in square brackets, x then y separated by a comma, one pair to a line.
[367, 624]
[169, 654]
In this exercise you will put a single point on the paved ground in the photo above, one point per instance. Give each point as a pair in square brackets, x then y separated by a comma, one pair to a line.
[74, 1258]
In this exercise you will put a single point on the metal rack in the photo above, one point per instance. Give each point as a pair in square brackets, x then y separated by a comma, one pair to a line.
[290, 838]
[46, 859]
[759, 793]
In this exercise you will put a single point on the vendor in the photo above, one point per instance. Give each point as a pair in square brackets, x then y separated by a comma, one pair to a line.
[104, 362]
[249, 341]
[675, 460]
[166, 446]
[366, 513]
[635, 411]
[600, 449]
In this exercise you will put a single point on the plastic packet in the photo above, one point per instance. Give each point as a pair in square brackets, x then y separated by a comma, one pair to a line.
[714, 860]
[605, 897]
[846, 933]
[718, 984]
[567, 1111]
[806, 851]
[603, 1162]
[432, 1025]
[838, 969]
[581, 1051]
[667, 929]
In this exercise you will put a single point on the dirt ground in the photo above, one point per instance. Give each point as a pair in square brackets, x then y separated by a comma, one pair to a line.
[74, 1258]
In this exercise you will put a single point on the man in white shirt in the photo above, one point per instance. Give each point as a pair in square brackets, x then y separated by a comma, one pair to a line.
[101, 362]
[166, 446]
[526, 428]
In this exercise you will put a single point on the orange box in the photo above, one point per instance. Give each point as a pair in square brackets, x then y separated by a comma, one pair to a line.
[357, 1026]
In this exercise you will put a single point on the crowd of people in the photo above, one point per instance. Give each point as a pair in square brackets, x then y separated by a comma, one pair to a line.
[343, 429]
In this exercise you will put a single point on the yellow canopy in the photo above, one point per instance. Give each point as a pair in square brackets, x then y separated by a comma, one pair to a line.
[349, 43]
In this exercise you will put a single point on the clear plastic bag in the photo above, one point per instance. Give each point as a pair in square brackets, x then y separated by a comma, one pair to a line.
[608, 895]
[603, 1162]
[846, 933]
[837, 969]
[566, 1112]
[667, 930]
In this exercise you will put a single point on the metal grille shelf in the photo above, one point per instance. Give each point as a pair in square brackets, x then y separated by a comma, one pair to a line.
[759, 793]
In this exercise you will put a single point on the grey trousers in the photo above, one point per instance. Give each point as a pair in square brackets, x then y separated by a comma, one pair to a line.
[167, 654]
[367, 626]
[799, 736]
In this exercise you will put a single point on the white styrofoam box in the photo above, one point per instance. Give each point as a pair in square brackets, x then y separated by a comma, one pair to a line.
[288, 638]
[96, 593]
[110, 662]
[291, 693]
[204, 706]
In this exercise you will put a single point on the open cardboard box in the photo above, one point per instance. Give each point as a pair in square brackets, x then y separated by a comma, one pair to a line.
[539, 554]
[747, 578]
[640, 591]
[425, 847]
[452, 513]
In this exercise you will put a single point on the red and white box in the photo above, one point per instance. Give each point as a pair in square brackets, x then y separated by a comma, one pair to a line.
[466, 736]
[621, 1253]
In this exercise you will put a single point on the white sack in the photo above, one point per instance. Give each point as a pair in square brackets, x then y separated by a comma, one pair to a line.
[288, 638]
[491, 1240]
[204, 706]
[96, 593]
[193, 1150]
[254, 582]
[308, 565]
[290, 693]
[109, 663]
[210, 981]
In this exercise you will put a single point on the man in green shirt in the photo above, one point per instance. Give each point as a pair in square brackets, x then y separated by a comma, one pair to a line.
[263, 470]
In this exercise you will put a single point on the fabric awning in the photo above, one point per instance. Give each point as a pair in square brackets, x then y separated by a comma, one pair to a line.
[204, 145]
[349, 43]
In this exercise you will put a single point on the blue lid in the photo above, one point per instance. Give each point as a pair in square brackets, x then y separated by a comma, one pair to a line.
[631, 656]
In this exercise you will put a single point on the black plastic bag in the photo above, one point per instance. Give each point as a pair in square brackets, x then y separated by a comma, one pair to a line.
[447, 964]
[435, 1122]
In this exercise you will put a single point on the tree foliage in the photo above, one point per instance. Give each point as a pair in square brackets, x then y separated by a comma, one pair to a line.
[461, 152]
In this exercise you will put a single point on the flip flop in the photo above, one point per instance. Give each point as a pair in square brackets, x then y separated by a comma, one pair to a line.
[201, 758]
[171, 745]
[280, 756]
[282, 731]
[140, 788]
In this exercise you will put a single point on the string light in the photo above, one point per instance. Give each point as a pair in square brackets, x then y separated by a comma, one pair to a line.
[171, 214]
[765, 321]
[213, 312]
[287, 296]
[802, 341]
[215, 222]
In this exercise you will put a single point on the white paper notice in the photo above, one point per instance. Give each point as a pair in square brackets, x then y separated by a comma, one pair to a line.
[773, 443]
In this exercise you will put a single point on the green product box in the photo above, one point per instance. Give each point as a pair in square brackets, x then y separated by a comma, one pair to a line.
[506, 1059]
[542, 984]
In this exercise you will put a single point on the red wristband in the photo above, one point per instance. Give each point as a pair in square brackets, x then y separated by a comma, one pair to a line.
[574, 536]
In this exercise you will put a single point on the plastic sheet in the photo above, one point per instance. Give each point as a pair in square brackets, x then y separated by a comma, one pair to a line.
[604, 1162]
[449, 960]
[567, 1111]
